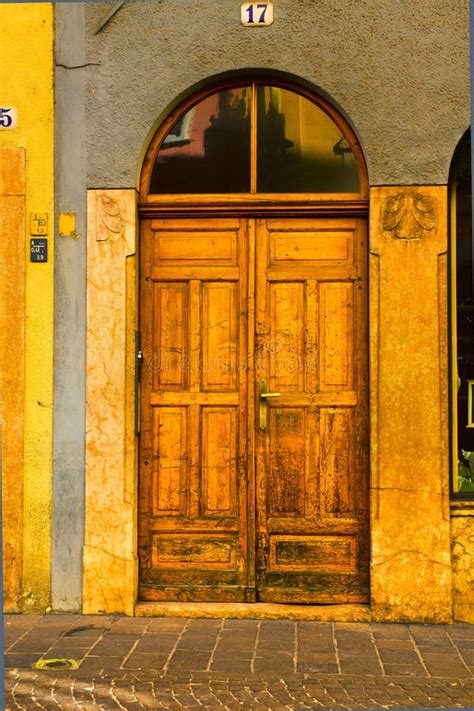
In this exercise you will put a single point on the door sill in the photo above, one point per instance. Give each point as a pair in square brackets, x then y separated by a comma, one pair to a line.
[257, 611]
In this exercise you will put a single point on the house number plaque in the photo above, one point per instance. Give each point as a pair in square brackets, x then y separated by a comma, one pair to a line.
[256, 14]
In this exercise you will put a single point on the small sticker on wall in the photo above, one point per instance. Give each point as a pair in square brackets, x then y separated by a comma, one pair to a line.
[256, 14]
[38, 223]
[39, 249]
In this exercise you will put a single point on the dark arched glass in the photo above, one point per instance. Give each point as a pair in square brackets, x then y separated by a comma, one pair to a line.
[298, 147]
[463, 316]
[208, 149]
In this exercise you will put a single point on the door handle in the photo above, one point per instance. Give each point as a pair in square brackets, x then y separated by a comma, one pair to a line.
[262, 405]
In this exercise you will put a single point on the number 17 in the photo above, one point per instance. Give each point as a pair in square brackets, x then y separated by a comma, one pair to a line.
[258, 6]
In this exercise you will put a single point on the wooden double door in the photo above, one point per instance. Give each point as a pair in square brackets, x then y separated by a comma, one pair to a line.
[253, 445]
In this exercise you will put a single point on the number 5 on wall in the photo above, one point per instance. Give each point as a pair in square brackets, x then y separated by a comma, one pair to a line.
[256, 14]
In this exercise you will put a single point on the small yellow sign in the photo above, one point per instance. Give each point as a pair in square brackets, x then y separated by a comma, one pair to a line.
[67, 225]
[38, 223]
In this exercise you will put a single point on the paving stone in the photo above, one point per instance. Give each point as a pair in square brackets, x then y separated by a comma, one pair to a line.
[191, 634]
[160, 624]
[355, 665]
[21, 660]
[404, 670]
[93, 664]
[113, 647]
[277, 662]
[385, 630]
[467, 654]
[185, 660]
[445, 665]
[464, 643]
[66, 645]
[241, 624]
[394, 644]
[308, 665]
[204, 624]
[399, 656]
[461, 631]
[239, 632]
[30, 646]
[88, 634]
[145, 661]
[196, 644]
[234, 645]
[231, 665]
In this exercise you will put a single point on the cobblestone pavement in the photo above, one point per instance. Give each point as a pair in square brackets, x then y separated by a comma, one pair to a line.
[170, 663]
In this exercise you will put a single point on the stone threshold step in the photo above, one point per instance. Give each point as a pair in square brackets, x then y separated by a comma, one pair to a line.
[255, 611]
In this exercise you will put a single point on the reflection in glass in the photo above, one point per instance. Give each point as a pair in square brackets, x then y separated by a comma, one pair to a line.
[208, 150]
[299, 148]
[460, 184]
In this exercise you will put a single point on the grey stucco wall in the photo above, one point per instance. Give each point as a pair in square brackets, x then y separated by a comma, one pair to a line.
[70, 313]
[398, 69]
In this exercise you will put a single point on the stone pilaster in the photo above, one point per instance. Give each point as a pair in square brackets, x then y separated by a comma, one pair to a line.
[410, 560]
[110, 559]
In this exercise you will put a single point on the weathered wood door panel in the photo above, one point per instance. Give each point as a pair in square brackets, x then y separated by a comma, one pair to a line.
[207, 355]
[312, 477]
[193, 449]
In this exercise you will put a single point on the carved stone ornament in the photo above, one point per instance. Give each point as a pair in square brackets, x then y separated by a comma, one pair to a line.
[110, 223]
[409, 215]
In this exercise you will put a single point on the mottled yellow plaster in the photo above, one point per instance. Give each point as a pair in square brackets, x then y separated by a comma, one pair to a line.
[410, 560]
[12, 356]
[110, 558]
[26, 82]
[462, 541]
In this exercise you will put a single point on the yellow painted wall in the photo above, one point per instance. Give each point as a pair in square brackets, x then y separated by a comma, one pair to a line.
[26, 81]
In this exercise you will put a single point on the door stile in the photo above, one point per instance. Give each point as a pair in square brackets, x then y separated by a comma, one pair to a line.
[248, 359]
[362, 418]
[194, 412]
[244, 380]
[145, 449]
[262, 355]
[311, 379]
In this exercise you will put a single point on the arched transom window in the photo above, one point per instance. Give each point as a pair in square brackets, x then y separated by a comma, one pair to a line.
[254, 138]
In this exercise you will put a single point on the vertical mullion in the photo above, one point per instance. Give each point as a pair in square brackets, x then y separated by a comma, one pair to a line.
[253, 138]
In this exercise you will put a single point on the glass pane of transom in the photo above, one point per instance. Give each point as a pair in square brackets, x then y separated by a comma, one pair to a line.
[208, 149]
[299, 148]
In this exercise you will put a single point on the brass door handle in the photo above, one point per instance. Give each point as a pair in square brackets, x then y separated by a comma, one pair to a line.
[262, 409]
